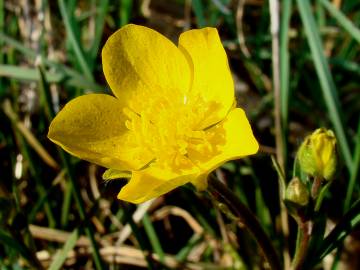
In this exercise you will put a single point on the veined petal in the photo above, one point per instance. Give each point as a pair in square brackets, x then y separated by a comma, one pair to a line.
[233, 139]
[152, 182]
[92, 127]
[212, 78]
[139, 63]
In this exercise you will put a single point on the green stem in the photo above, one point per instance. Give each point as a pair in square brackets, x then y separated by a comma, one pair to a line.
[226, 196]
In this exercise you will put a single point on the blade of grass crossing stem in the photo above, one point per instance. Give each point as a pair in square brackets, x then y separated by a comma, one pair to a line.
[66, 163]
[154, 240]
[100, 15]
[30, 74]
[198, 9]
[74, 42]
[342, 20]
[354, 172]
[76, 79]
[125, 11]
[61, 256]
[143, 244]
[326, 81]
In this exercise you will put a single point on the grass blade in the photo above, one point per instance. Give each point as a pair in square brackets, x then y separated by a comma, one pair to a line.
[74, 42]
[62, 255]
[30, 74]
[342, 20]
[347, 223]
[154, 240]
[29, 136]
[326, 81]
[139, 237]
[354, 172]
[198, 9]
[9, 241]
[125, 11]
[76, 79]
[101, 12]
[284, 61]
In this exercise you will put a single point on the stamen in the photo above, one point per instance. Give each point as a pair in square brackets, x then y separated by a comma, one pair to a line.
[167, 128]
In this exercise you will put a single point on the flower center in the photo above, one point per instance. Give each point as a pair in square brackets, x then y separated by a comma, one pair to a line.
[165, 127]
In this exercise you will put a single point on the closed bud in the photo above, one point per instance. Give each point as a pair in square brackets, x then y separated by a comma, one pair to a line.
[317, 154]
[297, 193]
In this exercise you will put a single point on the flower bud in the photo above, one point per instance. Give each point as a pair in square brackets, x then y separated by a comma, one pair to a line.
[297, 193]
[317, 154]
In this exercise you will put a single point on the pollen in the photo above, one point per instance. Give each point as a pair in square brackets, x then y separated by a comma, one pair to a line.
[167, 128]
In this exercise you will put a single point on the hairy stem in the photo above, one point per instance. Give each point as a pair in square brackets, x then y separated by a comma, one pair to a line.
[221, 193]
[304, 235]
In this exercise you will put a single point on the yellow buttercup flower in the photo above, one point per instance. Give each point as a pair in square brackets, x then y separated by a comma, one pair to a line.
[172, 120]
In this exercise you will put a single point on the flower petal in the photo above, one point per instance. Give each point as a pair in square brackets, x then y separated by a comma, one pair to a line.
[139, 63]
[212, 76]
[233, 139]
[92, 127]
[152, 182]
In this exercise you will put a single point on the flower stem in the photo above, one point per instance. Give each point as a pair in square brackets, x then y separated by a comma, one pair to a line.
[316, 187]
[226, 196]
[304, 234]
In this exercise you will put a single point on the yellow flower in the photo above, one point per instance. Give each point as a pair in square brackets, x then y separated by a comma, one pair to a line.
[172, 120]
[317, 154]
